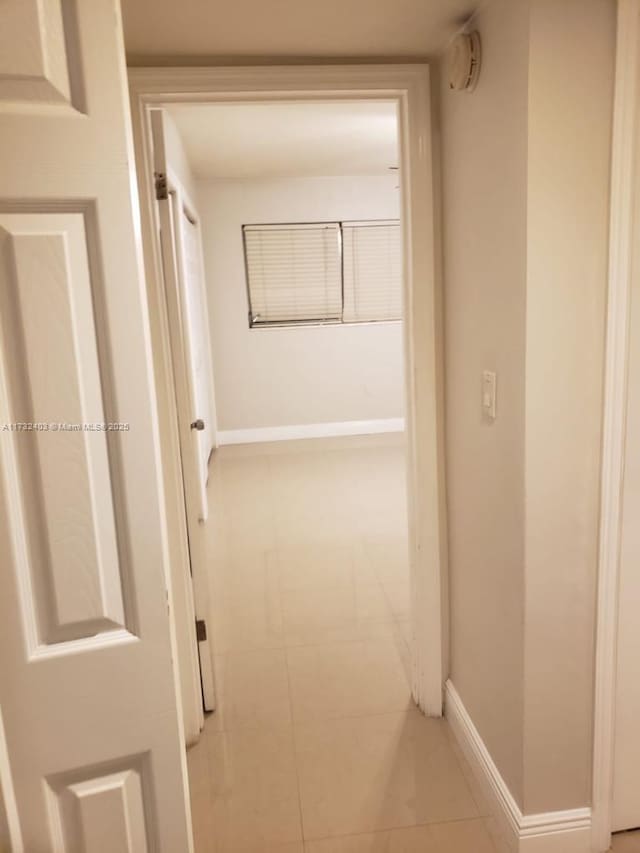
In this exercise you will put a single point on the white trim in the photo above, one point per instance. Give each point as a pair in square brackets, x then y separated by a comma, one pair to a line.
[193, 211]
[501, 800]
[626, 139]
[409, 87]
[326, 430]
[8, 796]
[566, 831]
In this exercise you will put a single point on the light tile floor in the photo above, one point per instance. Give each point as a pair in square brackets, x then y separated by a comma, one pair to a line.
[626, 842]
[316, 746]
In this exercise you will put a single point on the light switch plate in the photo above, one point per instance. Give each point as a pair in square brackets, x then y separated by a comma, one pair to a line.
[489, 383]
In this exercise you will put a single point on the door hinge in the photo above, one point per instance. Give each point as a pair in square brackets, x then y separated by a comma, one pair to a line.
[162, 192]
[201, 630]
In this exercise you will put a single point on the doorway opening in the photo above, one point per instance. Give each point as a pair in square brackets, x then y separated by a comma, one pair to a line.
[316, 547]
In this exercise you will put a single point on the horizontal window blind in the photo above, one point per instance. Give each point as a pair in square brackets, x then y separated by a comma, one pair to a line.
[293, 272]
[372, 269]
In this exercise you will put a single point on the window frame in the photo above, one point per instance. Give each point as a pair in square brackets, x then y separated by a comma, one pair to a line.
[289, 324]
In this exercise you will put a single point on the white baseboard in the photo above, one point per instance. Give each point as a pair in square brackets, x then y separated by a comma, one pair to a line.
[291, 433]
[548, 832]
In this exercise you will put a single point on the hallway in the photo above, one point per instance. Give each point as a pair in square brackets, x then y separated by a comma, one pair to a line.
[316, 746]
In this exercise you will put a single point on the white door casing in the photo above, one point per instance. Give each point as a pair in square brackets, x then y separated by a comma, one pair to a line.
[170, 209]
[622, 289]
[91, 755]
[626, 745]
[626, 777]
[409, 87]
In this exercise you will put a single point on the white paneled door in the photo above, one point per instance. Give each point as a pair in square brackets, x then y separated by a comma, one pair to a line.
[91, 757]
[197, 321]
[191, 361]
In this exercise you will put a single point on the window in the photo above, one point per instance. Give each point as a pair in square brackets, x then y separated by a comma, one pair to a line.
[331, 272]
[293, 273]
[372, 270]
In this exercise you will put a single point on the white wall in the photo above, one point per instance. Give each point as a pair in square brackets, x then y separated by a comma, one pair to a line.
[178, 159]
[299, 375]
[525, 210]
[569, 154]
[484, 164]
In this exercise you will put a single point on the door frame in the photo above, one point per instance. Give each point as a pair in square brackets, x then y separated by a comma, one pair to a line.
[409, 87]
[193, 648]
[624, 220]
[182, 203]
[179, 200]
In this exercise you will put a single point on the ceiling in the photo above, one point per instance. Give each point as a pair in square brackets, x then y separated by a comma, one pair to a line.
[288, 139]
[192, 30]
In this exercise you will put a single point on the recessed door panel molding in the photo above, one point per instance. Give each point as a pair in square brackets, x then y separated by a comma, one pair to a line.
[64, 506]
[103, 811]
[35, 37]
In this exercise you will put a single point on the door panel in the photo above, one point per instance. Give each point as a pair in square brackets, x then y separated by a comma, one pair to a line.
[88, 692]
[33, 53]
[190, 399]
[102, 813]
[196, 317]
[53, 376]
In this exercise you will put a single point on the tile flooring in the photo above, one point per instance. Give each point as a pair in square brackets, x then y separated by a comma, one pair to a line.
[626, 842]
[316, 746]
